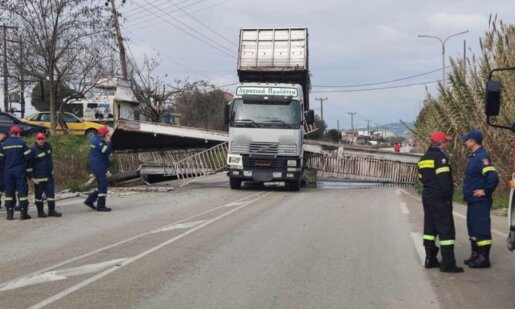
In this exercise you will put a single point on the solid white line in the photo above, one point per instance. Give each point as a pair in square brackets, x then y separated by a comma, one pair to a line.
[404, 208]
[136, 258]
[128, 239]
[417, 242]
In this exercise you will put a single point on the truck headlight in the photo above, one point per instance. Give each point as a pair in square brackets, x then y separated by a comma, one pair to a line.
[292, 163]
[234, 160]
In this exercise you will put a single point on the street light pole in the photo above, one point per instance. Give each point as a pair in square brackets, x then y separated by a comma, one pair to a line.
[443, 41]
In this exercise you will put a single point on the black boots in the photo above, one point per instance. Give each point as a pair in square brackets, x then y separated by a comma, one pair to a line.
[448, 264]
[473, 252]
[483, 258]
[51, 210]
[41, 212]
[10, 213]
[101, 204]
[23, 213]
[431, 260]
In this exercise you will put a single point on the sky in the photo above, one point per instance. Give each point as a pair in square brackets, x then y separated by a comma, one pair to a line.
[350, 42]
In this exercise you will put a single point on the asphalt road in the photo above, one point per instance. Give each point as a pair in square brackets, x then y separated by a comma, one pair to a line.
[205, 246]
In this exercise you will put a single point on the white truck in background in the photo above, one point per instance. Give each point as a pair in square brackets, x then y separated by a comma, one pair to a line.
[266, 117]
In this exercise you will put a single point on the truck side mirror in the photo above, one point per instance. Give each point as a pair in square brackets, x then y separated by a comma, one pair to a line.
[226, 114]
[493, 98]
[310, 117]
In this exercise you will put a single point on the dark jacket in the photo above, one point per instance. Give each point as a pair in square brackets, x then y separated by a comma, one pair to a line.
[15, 154]
[41, 166]
[99, 153]
[480, 175]
[436, 175]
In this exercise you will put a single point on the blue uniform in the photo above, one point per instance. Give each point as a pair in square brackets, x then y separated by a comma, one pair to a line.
[41, 168]
[480, 175]
[99, 159]
[14, 154]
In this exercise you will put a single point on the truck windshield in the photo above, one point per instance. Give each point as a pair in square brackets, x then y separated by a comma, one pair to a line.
[266, 114]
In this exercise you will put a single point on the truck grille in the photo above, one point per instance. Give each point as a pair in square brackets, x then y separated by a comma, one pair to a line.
[264, 148]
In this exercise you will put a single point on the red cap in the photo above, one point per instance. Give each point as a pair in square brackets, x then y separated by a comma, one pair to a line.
[40, 136]
[439, 136]
[15, 130]
[103, 130]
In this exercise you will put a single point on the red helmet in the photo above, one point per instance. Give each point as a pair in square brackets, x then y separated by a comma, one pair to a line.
[103, 130]
[15, 130]
[40, 136]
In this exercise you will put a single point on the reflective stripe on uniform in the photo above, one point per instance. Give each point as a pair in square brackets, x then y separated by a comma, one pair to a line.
[426, 164]
[488, 169]
[2, 155]
[473, 238]
[419, 176]
[449, 242]
[91, 145]
[483, 243]
[27, 152]
[38, 201]
[444, 169]
[41, 155]
[102, 194]
[25, 198]
[13, 146]
[41, 179]
[104, 148]
[50, 199]
[30, 170]
[8, 198]
[429, 237]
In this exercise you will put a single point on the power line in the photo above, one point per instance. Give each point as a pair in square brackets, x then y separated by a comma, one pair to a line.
[145, 17]
[200, 22]
[379, 88]
[221, 49]
[382, 82]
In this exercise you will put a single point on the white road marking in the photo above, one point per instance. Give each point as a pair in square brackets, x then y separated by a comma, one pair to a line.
[417, 242]
[180, 226]
[99, 276]
[130, 239]
[57, 275]
[404, 208]
[398, 192]
[233, 204]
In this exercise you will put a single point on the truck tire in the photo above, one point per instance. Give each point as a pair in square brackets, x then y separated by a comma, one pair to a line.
[235, 183]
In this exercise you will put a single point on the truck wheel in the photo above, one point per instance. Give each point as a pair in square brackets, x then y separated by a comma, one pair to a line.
[294, 185]
[235, 183]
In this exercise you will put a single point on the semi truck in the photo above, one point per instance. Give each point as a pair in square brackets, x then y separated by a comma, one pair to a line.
[492, 109]
[270, 109]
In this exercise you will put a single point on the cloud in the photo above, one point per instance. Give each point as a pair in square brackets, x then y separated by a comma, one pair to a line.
[448, 21]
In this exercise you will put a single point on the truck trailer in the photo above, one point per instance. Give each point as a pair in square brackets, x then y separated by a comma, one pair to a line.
[268, 113]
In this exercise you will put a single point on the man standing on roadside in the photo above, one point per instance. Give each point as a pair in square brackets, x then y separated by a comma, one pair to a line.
[435, 173]
[15, 154]
[99, 160]
[41, 172]
[480, 182]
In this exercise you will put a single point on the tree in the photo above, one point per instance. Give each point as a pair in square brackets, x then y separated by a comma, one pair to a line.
[201, 105]
[39, 98]
[333, 136]
[64, 39]
[321, 127]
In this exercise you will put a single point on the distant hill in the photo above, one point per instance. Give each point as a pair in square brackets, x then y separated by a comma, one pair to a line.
[398, 128]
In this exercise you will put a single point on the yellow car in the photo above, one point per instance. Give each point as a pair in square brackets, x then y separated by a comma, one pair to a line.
[75, 125]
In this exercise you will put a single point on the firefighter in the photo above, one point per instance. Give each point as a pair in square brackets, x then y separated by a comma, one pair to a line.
[481, 179]
[435, 174]
[3, 136]
[15, 154]
[41, 172]
[99, 160]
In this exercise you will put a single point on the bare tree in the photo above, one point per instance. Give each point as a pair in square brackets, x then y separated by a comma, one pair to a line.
[59, 35]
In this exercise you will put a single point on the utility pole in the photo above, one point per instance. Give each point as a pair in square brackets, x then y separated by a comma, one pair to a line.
[321, 106]
[368, 126]
[352, 123]
[22, 80]
[5, 71]
[465, 60]
[121, 47]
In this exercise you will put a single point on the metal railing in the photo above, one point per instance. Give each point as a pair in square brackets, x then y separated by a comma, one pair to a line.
[202, 164]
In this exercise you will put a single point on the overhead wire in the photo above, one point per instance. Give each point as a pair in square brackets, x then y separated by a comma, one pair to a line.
[143, 17]
[381, 82]
[203, 24]
[218, 47]
[378, 88]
